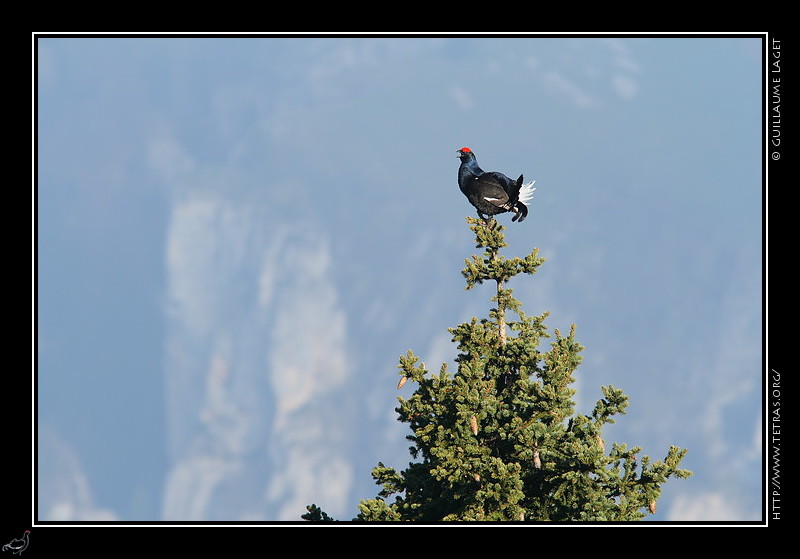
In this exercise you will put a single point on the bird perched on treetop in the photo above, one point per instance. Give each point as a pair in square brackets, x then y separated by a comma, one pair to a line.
[492, 193]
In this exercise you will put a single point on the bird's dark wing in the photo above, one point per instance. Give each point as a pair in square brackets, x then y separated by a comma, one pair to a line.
[491, 189]
[499, 178]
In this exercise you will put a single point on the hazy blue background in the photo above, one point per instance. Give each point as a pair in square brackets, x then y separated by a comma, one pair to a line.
[237, 238]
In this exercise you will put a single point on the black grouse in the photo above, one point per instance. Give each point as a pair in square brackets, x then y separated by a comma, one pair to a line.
[492, 193]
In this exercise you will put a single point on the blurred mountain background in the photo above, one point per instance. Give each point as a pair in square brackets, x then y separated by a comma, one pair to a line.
[238, 237]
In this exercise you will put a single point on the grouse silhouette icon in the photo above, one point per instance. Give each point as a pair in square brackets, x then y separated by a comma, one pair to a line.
[18, 545]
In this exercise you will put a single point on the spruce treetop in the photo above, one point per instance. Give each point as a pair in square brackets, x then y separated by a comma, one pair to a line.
[499, 439]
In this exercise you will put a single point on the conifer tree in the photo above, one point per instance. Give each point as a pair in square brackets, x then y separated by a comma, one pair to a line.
[499, 440]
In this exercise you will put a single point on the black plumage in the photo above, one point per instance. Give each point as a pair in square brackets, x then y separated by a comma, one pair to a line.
[492, 192]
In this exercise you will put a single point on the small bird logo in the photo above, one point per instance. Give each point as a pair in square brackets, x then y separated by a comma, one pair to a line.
[18, 545]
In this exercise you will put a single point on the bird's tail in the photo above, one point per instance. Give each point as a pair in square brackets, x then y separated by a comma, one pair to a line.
[524, 196]
[520, 212]
[513, 189]
[526, 192]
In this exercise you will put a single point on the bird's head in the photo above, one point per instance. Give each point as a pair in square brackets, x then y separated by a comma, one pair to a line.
[464, 153]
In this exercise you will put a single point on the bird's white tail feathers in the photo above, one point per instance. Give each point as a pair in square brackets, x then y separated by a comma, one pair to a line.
[526, 192]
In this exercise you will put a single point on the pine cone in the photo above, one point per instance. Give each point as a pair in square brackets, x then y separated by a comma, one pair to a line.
[403, 380]
[473, 423]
